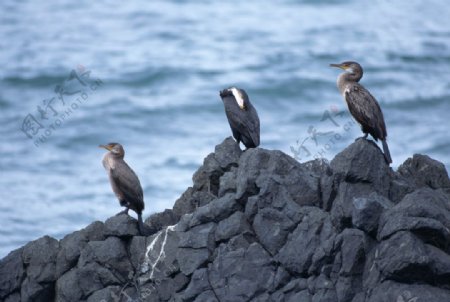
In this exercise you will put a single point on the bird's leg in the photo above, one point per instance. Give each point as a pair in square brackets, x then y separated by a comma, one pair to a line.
[362, 137]
[123, 212]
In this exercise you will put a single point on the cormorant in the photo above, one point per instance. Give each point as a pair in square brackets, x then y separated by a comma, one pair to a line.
[124, 182]
[361, 104]
[242, 116]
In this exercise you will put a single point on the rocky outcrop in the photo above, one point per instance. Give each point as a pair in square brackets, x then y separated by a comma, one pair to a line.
[260, 226]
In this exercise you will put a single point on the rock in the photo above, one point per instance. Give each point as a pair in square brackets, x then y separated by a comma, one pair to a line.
[259, 226]
[215, 165]
[329, 185]
[425, 212]
[199, 284]
[272, 228]
[157, 221]
[191, 259]
[195, 247]
[110, 253]
[216, 210]
[363, 162]
[136, 250]
[227, 153]
[39, 258]
[228, 182]
[105, 294]
[191, 200]
[12, 273]
[239, 274]
[401, 292]
[324, 289]
[425, 171]
[14, 297]
[70, 250]
[367, 210]
[257, 166]
[234, 225]
[342, 209]
[200, 236]
[307, 238]
[160, 256]
[78, 284]
[353, 250]
[303, 295]
[399, 188]
[318, 167]
[261, 298]
[121, 225]
[348, 288]
[165, 288]
[206, 296]
[404, 257]
[95, 231]
[67, 287]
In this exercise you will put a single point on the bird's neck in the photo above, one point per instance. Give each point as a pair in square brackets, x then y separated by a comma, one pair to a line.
[110, 160]
[342, 83]
[344, 79]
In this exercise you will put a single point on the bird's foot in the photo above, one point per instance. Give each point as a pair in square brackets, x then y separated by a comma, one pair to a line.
[362, 137]
[123, 212]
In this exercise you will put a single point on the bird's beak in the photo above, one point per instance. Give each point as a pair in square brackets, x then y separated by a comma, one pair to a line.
[105, 147]
[224, 93]
[338, 66]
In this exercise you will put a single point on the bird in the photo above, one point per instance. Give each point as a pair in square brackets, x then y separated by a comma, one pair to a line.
[362, 105]
[124, 182]
[242, 116]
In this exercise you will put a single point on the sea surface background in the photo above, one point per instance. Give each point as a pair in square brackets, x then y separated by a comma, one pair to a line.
[147, 74]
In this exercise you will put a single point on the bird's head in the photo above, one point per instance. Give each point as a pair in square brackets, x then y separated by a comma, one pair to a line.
[239, 95]
[114, 148]
[348, 66]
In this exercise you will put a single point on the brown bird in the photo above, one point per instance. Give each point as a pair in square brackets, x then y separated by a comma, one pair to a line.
[361, 104]
[124, 182]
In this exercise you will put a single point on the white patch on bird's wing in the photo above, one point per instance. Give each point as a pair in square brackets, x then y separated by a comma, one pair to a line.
[238, 97]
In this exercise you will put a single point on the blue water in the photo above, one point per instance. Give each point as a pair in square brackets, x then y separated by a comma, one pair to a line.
[149, 73]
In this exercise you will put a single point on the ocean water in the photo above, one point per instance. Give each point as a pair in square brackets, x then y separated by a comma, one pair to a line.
[75, 74]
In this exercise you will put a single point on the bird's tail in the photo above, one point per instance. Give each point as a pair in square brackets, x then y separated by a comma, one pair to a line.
[387, 154]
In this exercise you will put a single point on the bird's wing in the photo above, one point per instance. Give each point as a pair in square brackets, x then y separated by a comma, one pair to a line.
[254, 125]
[245, 121]
[128, 185]
[366, 110]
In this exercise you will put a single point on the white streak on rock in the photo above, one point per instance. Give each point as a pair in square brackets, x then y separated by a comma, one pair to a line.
[147, 264]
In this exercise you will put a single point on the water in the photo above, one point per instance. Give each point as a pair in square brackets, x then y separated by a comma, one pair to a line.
[161, 65]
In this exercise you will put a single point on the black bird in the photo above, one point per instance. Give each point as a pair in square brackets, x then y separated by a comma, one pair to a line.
[242, 116]
[361, 104]
[124, 182]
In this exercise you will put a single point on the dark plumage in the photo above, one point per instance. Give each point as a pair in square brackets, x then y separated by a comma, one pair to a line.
[124, 182]
[242, 116]
[362, 105]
